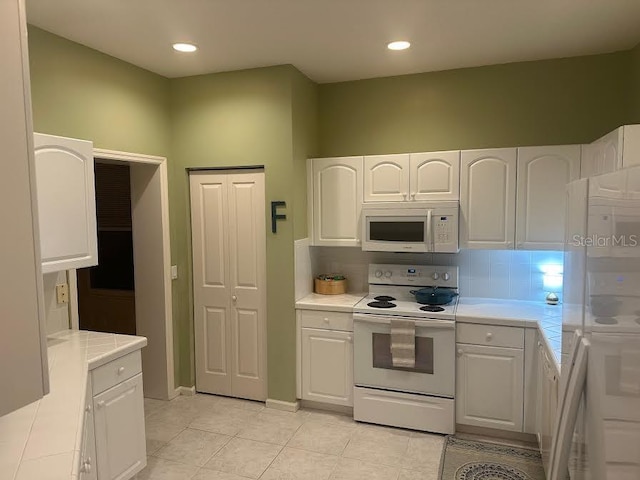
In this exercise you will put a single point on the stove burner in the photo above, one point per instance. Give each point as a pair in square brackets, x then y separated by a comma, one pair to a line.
[382, 304]
[606, 320]
[384, 298]
[432, 308]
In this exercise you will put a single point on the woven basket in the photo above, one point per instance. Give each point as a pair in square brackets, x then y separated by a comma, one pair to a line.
[330, 287]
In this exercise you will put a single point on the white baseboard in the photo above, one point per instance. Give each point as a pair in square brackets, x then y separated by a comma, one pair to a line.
[282, 405]
[189, 391]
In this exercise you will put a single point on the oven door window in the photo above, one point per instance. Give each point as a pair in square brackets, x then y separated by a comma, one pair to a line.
[381, 343]
[390, 231]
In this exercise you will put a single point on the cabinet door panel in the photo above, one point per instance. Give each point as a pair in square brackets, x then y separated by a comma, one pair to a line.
[327, 366]
[543, 174]
[386, 178]
[119, 429]
[337, 201]
[435, 176]
[88, 470]
[631, 146]
[487, 198]
[612, 151]
[66, 202]
[490, 387]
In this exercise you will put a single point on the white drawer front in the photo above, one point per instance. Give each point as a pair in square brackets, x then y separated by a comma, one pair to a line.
[490, 335]
[116, 371]
[417, 412]
[326, 320]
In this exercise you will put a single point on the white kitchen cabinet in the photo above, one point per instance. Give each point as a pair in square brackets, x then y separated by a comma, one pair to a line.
[88, 470]
[66, 202]
[615, 150]
[119, 430]
[542, 176]
[386, 178]
[489, 387]
[488, 198]
[336, 191]
[435, 176]
[23, 343]
[327, 366]
[547, 405]
[412, 177]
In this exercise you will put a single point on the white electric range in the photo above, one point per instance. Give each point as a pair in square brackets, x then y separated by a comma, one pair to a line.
[422, 397]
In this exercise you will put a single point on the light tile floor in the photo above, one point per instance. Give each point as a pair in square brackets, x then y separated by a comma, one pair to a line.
[205, 437]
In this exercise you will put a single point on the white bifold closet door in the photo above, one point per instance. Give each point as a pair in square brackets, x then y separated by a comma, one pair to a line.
[229, 282]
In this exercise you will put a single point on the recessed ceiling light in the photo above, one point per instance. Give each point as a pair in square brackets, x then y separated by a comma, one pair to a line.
[185, 47]
[399, 45]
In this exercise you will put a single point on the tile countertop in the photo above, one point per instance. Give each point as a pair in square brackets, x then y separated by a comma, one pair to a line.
[516, 313]
[42, 440]
[333, 303]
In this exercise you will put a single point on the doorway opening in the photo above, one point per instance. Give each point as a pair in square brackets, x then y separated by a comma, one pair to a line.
[106, 292]
[134, 272]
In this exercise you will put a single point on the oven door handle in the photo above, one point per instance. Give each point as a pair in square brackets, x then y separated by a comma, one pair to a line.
[429, 233]
[385, 320]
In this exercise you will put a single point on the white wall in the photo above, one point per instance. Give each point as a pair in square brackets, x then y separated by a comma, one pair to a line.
[510, 274]
[57, 316]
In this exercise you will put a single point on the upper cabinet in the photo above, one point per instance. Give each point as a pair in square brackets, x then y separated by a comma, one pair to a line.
[386, 178]
[435, 176]
[335, 191]
[542, 177]
[66, 202]
[488, 198]
[412, 177]
[617, 149]
[23, 343]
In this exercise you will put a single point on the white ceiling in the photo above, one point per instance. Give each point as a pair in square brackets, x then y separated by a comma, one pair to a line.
[337, 40]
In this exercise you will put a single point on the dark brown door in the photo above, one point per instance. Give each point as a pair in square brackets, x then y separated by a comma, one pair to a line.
[106, 294]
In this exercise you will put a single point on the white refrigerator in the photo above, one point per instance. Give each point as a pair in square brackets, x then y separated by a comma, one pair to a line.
[602, 300]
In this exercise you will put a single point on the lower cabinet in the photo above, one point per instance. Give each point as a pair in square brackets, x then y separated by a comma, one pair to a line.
[324, 354]
[88, 469]
[114, 443]
[490, 385]
[547, 402]
[327, 366]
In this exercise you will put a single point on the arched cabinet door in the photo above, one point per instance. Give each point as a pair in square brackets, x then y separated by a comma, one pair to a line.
[435, 176]
[386, 178]
[543, 174]
[337, 201]
[66, 202]
[488, 198]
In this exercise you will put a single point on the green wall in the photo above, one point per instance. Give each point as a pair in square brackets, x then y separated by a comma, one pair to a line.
[79, 92]
[634, 57]
[570, 100]
[245, 118]
[305, 144]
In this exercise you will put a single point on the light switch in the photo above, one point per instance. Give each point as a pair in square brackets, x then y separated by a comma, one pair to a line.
[62, 293]
[174, 272]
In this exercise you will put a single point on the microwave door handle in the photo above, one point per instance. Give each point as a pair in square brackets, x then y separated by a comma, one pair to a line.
[429, 232]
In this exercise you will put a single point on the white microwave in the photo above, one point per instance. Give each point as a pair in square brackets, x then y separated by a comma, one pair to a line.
[410, 227]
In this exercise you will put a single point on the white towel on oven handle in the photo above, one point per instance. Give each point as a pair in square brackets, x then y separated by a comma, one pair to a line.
[403, 343]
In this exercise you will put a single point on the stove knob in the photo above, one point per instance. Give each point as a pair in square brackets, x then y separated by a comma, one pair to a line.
[378, 273]
[446, 277]
[435, 275]
[388, 274]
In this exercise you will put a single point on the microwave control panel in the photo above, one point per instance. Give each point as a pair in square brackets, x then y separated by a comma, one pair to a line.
[442, 230]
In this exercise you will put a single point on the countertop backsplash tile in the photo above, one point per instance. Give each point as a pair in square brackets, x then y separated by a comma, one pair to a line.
[509, 274]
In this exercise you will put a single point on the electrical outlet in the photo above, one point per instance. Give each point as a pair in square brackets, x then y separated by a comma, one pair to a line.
[62, 293]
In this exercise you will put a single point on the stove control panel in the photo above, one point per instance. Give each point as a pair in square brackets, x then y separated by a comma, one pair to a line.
[419, 275]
